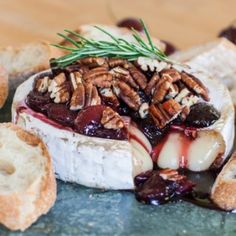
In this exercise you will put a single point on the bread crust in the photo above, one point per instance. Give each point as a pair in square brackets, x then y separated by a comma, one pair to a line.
[3, 86]
[15, 72]
[42, 191]
[223, 192]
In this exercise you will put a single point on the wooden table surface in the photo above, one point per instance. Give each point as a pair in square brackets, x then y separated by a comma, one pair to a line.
[184, 22]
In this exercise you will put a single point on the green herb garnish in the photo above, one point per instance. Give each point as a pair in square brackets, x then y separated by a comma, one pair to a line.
[117, 47]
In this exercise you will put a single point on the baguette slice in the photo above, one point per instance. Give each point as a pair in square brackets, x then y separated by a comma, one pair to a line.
[224, 189]
[29, 58]
[3, 86]
[22, 62]
[27, 182]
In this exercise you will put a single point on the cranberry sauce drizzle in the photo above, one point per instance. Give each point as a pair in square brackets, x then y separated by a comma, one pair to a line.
[88, 123]
[187, 135]
[152, 188]
[195, 188]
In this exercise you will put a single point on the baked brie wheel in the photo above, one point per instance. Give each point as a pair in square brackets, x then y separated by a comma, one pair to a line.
[105, 120]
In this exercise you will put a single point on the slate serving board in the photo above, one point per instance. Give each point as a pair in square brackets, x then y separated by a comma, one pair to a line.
[85, 211]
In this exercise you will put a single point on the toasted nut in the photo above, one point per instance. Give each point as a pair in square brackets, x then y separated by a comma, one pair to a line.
[103, 81]
[109, 97]
[95, 72]
[159, 115]
[196, 85]
[124, 75]
[62, 95]
[56, 83]
[76, 78]
[183, 93]
[111, 119]
[172, 73]
[42, 84]
[99, 76]
[138, 77]
[151, 84]
[127, 94]
[78, 98]
[92, 61]
[173, 91]
[114, 62]
[172, 107]
[161, 91]
[95, 100]
[170, 174]
[88, 93]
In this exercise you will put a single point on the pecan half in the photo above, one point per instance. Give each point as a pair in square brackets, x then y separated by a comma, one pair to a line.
[127, 94]
[138, 76]
[92, 62]
[173, 91]
[196, 85]
[60, 91]
[42, 84]
[76, 78]
[78, 98]
[99, 76]
[172, 107]
[170, 174]
[161, 89]
[164, 113]
[109, 97]
[123, 74]
[159, 116]
[172, 73]
[95, 99]
[152, 83]
[91, 95]
[114, 62]
[57, 81]
[88, 93]
[62, 95]
[111, 119]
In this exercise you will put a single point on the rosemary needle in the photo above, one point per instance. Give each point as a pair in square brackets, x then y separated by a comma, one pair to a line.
[116, 47]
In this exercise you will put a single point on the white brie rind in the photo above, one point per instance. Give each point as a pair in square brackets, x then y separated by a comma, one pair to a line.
[217, 59]
[214, 143]
[90, 161]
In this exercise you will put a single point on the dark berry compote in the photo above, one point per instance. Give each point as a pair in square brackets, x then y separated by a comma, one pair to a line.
[104, 97]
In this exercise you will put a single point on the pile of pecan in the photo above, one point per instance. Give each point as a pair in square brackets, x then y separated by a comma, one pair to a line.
[95, 81]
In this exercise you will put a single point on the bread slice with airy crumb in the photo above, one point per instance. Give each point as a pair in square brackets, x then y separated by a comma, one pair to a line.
[27, 182]
[3, 86]
[23, 62]
[28, 58]
[224, 189]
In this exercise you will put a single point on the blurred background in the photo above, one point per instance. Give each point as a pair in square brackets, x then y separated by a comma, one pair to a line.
[183, 22]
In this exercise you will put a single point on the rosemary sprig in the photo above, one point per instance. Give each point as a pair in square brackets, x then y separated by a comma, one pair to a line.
[117, 47]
